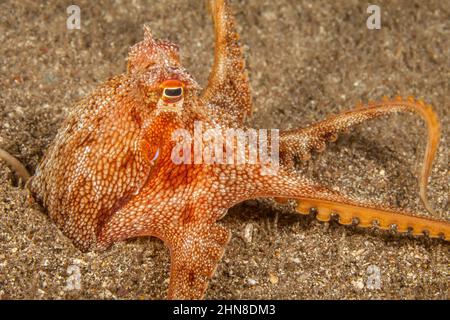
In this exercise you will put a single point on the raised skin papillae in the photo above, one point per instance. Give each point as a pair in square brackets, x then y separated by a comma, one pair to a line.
[109, 175]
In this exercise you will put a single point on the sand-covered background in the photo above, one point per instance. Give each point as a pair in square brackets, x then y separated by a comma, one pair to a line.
[306, 59]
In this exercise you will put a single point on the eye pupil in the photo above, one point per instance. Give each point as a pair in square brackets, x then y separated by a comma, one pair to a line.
[173, 92]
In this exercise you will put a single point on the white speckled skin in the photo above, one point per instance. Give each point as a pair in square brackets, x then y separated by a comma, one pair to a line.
[101, 183]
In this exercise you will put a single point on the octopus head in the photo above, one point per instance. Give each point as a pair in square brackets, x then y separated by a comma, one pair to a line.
[165, 85]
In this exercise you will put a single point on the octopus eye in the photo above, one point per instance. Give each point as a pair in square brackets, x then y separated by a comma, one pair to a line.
[172, 91]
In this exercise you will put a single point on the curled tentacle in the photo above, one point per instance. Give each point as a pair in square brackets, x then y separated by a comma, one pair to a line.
[301, 142]
[14, 163]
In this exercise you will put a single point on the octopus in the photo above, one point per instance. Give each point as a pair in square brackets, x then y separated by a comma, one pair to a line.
[110, 174]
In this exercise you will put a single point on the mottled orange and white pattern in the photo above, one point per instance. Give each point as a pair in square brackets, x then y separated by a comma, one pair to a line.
[109, 175]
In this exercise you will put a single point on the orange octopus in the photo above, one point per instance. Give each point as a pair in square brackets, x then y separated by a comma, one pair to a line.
[109, 175]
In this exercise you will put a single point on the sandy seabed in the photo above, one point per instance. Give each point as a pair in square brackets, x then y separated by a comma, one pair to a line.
[307, 60]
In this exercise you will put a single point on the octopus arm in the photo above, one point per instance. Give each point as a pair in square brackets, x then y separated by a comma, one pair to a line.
[228, 92]
[195, 254]
[326, 203]
[300, 142]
